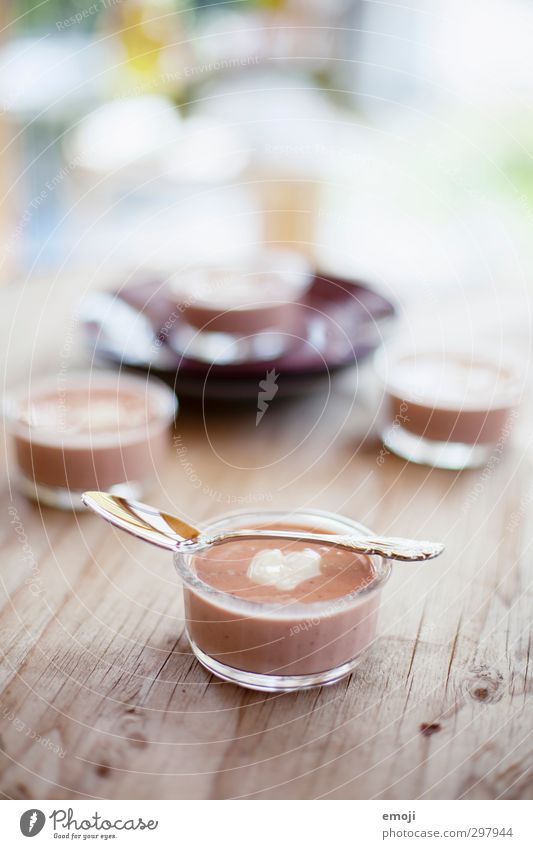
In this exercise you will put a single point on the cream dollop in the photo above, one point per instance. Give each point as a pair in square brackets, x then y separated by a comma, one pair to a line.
[284, 571]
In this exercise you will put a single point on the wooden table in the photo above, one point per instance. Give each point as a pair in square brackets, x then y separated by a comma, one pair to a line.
[101, 698]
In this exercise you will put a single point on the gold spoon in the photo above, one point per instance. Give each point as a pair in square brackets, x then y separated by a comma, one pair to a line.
[167, 531]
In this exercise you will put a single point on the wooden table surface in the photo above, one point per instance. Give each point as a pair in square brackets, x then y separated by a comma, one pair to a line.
[100, 696]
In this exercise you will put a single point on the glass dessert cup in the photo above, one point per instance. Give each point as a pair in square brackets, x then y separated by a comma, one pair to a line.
[243, 314]
[88, 429]
[273, 646]
[447, 409]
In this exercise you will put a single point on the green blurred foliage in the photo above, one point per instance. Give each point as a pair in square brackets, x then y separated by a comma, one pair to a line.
[39, 14]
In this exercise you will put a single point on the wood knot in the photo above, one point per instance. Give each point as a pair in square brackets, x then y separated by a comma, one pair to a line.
[481, 693]
[137, 739]
[484, 684]
[103, 770]
[429, 728]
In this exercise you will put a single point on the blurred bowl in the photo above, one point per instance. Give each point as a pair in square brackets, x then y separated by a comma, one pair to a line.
[339, 323]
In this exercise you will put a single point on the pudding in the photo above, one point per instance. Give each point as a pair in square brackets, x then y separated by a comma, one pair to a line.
[89, 430]
[240, 313]
[234, 302]
[283, 572]
[448, 409]
[281, 614]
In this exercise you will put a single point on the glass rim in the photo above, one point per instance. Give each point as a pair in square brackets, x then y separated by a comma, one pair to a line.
[387, 357]
[164, 413]
[306, 610]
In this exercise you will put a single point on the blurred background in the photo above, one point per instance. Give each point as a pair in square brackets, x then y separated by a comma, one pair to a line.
[386, 141]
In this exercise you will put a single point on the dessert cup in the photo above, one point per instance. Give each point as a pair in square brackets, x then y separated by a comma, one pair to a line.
[449, 409]
[88, 430]
[242, 314]
[275, 646]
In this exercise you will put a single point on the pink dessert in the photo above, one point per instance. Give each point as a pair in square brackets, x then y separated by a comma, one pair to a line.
[240, 313]
[447, 408]
[237, 303]
[90, 430]
[280, 614]
[245, 298]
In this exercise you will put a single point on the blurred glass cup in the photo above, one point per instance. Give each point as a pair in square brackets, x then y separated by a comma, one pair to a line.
[246, 312]
[88, 429]
[451, 408]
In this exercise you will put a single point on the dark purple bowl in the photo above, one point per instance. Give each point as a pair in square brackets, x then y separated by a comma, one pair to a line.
[340, 322]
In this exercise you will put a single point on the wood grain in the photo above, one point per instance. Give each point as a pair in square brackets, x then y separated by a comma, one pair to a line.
[101, 698]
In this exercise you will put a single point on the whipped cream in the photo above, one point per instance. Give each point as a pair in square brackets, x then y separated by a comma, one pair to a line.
[284, 571]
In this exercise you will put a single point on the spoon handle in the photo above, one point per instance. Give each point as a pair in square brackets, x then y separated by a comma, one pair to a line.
[394, 548]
